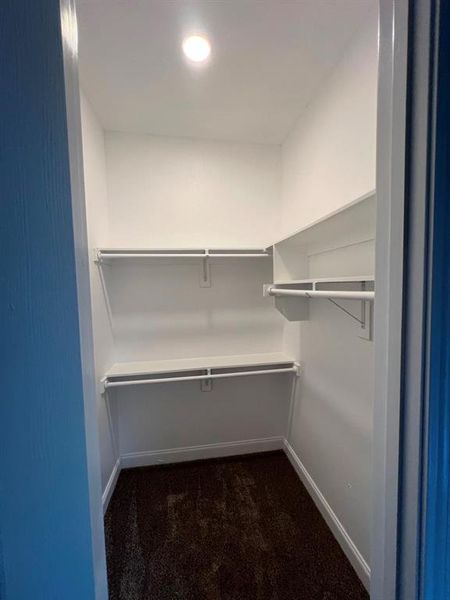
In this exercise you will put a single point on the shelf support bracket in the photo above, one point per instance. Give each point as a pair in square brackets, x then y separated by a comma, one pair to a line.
[205, 278]
[361, 320]
[103, 390]
[206, 384]
[366, 319]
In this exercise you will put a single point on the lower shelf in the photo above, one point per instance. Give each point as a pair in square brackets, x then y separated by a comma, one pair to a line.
[192, 369]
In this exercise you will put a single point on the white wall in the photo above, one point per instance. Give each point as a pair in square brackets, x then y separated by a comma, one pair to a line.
[328, 161]
[182, 192]
[168, 192]
[165, 192]
[329, 158]
[97, 221]
[160, 311]
[179, 416]
[331, 429]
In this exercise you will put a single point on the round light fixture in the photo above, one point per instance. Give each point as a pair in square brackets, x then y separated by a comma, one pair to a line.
[197, 48]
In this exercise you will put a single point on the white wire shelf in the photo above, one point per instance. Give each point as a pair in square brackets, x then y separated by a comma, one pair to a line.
[292, 297]
[198, 369]
[343, 288]
[318, 280]
[102, 254]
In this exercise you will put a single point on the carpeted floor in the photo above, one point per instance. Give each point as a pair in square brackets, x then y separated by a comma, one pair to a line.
[241, 528]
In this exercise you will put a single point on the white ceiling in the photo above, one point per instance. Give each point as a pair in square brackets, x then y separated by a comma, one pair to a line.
[268, 59]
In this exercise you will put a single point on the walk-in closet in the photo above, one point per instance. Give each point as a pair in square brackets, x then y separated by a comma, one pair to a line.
[229, 170]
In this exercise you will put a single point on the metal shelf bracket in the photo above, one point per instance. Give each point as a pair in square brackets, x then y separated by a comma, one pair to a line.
[206, 384]
[205, 277]
[365, 320]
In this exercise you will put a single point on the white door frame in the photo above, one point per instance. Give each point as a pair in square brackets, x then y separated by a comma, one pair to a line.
[391, 141]
[406, 95]
[72, 87]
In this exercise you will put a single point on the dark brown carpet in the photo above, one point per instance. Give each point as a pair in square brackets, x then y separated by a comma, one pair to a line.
[241, 528]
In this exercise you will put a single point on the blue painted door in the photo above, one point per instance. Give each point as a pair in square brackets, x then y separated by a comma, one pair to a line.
[436, 546]
[45, 532]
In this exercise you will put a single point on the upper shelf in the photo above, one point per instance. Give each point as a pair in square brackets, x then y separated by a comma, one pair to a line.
[341, 244]
[354, 221]
[114, 253]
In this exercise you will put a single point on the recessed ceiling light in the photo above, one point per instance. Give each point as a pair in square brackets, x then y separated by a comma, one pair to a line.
[197, 48]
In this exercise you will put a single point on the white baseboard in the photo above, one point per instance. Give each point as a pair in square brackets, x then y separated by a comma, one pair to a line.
[351, 551]
[110, 486]
[173, 455]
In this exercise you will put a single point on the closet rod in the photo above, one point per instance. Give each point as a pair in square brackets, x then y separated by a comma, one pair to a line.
[105, 255]
[109, 384]
[343, 294]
